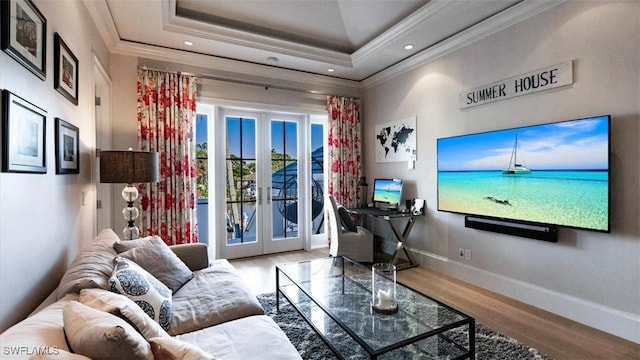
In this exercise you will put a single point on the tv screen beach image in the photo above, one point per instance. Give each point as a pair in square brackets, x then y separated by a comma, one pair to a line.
[551, 173]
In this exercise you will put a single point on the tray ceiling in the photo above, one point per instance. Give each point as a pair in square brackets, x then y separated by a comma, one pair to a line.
[355, 38]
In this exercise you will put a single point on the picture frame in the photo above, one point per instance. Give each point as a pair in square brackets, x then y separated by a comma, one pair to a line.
[67, 148]
[24, 35]
[65, 70]
[23, 135]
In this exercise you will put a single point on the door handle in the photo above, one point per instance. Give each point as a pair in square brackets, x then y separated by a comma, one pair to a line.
[269, 195]
[260, 195]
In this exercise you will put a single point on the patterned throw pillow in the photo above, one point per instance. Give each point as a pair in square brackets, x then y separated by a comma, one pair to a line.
[146, 291]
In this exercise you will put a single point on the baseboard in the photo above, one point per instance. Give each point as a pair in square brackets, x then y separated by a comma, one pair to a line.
[619, 323]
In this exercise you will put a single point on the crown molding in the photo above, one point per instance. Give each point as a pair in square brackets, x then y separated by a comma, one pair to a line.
[429, 11]
[105, 25]
[177, 24]
[498, 22]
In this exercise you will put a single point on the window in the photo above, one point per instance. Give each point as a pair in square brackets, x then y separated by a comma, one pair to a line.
[202, 156]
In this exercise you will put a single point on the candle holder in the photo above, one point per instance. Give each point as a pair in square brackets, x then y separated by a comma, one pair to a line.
[383, 289]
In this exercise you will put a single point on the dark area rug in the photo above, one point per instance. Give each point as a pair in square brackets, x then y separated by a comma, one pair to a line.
[490, 344]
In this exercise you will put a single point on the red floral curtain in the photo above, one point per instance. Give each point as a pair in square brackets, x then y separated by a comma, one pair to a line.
[166, 118]
[344, 149]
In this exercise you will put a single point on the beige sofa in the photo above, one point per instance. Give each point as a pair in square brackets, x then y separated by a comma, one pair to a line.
[214, 315]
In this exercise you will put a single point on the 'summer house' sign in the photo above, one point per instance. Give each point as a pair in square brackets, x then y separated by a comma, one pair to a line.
[543, 79]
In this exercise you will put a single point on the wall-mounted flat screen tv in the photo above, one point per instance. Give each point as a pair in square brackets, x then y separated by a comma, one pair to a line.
[557, 174]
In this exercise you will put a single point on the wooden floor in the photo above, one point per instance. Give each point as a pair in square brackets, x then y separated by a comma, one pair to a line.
[556, 336]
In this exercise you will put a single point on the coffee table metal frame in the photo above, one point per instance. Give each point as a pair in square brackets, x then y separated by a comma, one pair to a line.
[374, 353]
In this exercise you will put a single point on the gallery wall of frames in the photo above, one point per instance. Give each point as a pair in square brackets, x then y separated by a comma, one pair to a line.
[24, 37]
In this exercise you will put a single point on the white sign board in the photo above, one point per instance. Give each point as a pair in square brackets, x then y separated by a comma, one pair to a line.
[543, 79]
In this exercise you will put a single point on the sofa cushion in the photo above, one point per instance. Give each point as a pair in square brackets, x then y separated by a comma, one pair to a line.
[174, 349]
[144, 289]
[92, 267]
[214, 295]
[155, 256]
[124, 308]
[100, 335]
[44, 328]
[253, 337]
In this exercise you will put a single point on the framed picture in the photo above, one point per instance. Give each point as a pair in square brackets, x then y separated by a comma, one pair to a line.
[67, 148]
[65, 66]
[24, 35]
[23, 135]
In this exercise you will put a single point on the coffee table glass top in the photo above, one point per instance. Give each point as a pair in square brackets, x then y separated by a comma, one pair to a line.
[334, 294]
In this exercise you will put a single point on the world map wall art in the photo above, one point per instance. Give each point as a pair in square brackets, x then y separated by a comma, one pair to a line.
[396, 141]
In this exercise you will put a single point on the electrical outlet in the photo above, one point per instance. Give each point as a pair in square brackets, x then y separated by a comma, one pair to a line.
[467, 254]
[461, 253]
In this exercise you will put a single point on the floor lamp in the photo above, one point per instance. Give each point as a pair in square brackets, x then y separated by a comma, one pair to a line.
[129, 167]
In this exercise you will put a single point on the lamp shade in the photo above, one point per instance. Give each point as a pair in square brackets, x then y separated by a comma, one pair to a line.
[128, 167]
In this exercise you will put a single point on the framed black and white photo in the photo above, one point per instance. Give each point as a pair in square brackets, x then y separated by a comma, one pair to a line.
[23, 135]
[65, 67]
[24, 34]
[67, 148]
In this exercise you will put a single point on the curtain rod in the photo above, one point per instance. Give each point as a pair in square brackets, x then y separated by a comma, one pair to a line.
[247, 82]
[266, 86]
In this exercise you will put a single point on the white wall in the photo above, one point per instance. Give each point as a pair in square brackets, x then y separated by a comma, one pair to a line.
[43, 223]
[591, 277]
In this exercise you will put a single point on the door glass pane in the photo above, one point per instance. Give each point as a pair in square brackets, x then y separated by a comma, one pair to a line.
[284, 179]
[202, 155]
[202, 185]
[240, 180]
[317, 178]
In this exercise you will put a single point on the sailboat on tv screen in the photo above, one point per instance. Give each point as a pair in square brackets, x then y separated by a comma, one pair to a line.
[515, 168]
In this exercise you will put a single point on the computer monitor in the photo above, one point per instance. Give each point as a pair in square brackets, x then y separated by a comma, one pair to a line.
[387, 191]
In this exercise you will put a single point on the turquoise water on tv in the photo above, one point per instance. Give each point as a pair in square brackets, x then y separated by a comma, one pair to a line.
[571, 198]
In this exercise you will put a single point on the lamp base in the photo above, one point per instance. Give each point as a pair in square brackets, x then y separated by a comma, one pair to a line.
[130, 213]
[131, 233]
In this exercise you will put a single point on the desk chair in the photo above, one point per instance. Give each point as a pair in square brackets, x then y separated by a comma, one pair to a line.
[357, 245]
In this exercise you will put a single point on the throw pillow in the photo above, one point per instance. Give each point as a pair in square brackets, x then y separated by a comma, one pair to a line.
[100, 335]
[124, 308]
[174, 349]
[92, 267]
[155, 256]
[347, 221]
[146, 291]
[124, 245]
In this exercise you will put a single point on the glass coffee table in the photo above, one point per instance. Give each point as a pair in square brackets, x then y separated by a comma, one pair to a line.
[334, 297]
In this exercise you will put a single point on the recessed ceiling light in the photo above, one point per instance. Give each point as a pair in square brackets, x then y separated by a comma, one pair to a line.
[408, 47]
[188, 43]
[331, 69]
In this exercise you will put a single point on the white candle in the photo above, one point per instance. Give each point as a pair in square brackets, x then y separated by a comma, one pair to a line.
[385, 300]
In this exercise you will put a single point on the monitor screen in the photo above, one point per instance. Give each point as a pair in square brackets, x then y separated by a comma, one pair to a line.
[388, 191]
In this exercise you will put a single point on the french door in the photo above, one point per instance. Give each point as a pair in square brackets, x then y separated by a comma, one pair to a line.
[263, 179]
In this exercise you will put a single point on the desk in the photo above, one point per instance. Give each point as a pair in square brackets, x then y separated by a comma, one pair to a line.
[401, 237]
